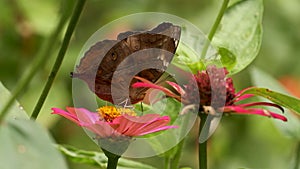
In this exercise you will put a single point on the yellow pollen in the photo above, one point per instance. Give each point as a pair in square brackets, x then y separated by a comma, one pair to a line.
[109, 113]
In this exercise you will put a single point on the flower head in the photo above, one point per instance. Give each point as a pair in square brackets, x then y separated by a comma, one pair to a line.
[212, 84]
[110, 122]
[208, 81]
[109, 113]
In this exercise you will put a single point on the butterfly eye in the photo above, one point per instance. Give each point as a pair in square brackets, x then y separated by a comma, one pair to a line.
[114, 56]
[136, 47]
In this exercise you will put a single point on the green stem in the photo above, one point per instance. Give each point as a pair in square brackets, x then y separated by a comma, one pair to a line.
[297, 160]
[113, 159]
[214, 28]
[72, 24]
[40, 60]
[202, 149]
[203, 146]
[167, 163]
[175, 161]
[184, 122]
[112, 162]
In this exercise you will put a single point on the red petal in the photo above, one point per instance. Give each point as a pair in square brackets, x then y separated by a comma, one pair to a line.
[176, 87]
[71, 116]
[241, 96]
[262, 104]
[102, 129]
[80, 116]
[122, 125]
[245, 96]
[262, 112]
[138, 126]
[156, 130]
[154, 126]
[154, 86]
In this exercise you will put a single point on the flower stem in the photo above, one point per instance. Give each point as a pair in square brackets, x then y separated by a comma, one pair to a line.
[113, 159]
[72, 24]
[297, 157]
[175, 161]
[202, 149]
[203, 146]
[112, 162]
[167, 164]
[214, 28]
[40, 59]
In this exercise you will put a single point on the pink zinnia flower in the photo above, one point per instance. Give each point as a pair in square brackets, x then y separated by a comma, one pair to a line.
[112, 122]
[226, 98]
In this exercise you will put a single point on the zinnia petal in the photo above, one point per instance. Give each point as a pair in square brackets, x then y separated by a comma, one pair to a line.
[262, 112]
[85, 116]
[69, 115]
[178, 88]
[147, 84]
[157, 125]
[80, 116]
[241, 92]
[262, 104]
[242, 97]
[138, 126]
[155, 130]
[129, 124]
[126, 125]
[103, 129]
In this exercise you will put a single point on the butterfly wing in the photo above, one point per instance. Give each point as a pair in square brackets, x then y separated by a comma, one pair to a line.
[109, 66]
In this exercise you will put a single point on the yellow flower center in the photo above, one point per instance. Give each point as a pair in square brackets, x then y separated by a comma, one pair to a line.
[109, 113]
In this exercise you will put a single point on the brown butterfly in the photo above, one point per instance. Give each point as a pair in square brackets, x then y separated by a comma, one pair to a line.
[109, 66]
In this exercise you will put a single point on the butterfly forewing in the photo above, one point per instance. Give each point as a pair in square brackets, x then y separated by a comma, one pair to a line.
[109, 66]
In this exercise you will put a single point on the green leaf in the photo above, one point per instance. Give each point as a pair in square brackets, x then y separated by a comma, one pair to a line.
[187, 59]
[227, 58]
[16, 111]
[84, 157]
[291, 128]
[23, 143]
[239, 37]
[97, 158]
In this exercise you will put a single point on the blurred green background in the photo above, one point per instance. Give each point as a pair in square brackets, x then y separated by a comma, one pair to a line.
[239, 142]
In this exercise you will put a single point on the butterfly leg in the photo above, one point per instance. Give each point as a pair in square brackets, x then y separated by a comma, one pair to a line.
[124, 104]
